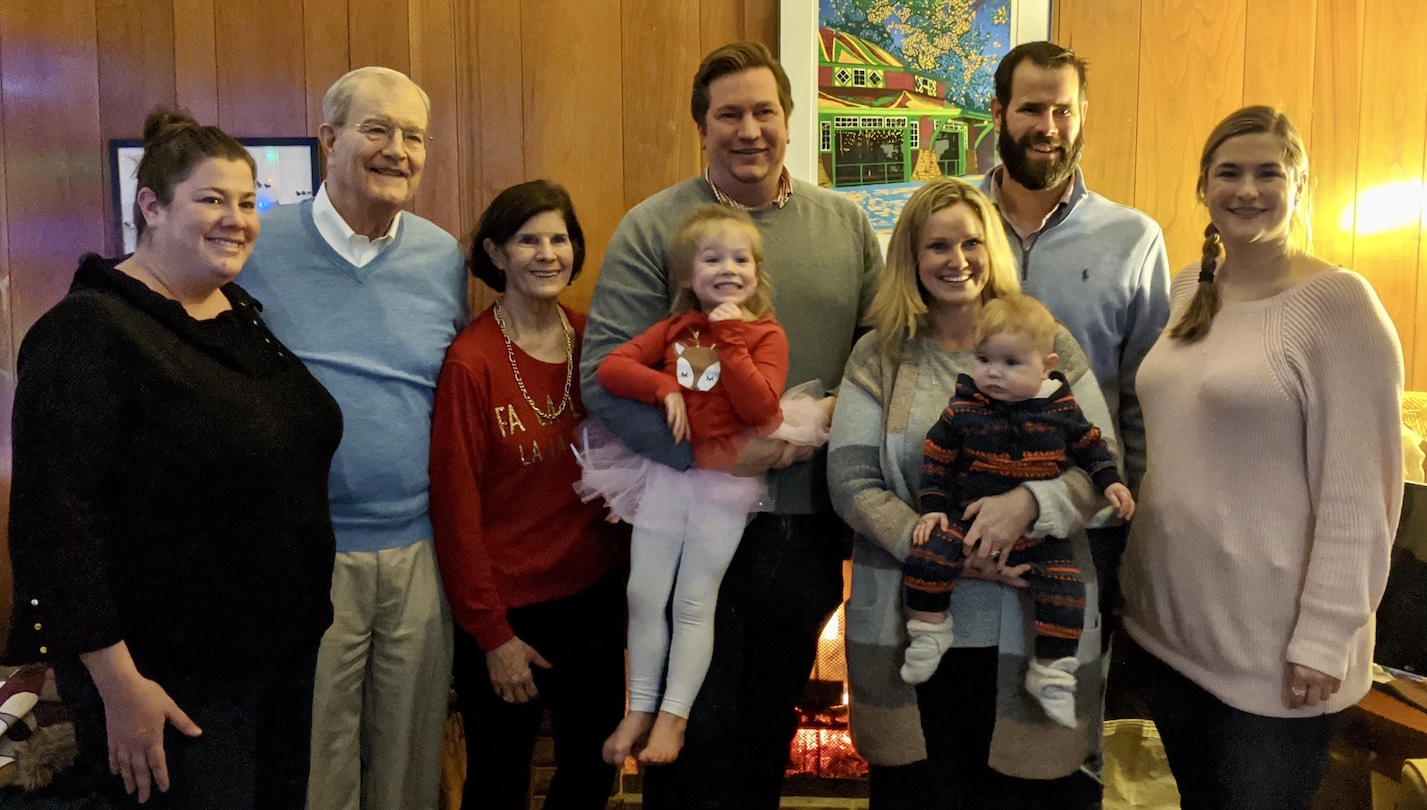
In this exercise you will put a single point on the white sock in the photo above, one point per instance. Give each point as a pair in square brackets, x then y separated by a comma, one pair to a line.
[930, 641]
[1054, 687]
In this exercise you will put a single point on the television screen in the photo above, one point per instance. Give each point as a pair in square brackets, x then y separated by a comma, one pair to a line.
[1402, 616]
[288, 172]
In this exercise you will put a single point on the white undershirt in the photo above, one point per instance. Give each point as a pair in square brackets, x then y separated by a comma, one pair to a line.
[350, 245]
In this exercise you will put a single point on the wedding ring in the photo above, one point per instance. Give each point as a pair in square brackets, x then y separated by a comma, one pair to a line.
[1299, 692]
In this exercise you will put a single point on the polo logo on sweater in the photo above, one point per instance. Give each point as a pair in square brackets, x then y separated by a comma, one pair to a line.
[698, 367]
[1085, 274]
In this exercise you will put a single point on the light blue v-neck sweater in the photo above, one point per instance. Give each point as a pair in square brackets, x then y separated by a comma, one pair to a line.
[375, 336]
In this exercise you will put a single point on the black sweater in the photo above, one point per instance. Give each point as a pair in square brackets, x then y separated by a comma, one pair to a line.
[170, 485]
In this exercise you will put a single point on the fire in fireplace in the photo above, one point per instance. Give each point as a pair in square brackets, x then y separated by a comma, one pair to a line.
[822, 747]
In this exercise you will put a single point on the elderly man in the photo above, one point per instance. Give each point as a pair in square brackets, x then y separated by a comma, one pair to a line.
[1099, 267]
[369, 297]
[786, 578]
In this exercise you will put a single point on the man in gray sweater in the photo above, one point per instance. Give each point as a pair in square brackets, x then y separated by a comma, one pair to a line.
[786, 578]
[1098, 266]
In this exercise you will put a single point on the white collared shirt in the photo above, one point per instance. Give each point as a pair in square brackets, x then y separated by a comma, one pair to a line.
[350, 245]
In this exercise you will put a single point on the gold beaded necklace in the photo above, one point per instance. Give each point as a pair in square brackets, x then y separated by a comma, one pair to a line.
[545, 418]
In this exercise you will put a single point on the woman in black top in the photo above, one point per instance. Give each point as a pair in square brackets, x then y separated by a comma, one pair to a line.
[169, 525]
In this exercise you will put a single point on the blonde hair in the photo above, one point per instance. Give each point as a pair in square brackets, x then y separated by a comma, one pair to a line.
[1017, 314]
[706, 221]
[899, 308]
[1199, 315]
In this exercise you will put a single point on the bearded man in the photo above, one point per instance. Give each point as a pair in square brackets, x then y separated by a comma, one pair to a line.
[1100, 267]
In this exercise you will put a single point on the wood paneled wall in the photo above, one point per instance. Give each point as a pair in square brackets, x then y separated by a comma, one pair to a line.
[1352, 74]
[594, 94]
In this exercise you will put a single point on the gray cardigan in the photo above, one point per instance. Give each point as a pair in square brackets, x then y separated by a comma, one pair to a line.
[875, 452]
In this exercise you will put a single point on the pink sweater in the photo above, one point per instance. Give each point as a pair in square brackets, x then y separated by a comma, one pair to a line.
[1272, 494]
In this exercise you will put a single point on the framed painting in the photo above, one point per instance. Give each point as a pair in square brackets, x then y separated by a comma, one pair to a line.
[888, 94]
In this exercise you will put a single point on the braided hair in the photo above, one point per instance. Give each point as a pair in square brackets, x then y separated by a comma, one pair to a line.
[1205, 305]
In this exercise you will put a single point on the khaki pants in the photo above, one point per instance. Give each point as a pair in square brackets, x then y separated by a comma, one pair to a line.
[382, 686]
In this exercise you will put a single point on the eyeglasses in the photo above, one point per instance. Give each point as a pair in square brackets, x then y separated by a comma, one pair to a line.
[413, 139]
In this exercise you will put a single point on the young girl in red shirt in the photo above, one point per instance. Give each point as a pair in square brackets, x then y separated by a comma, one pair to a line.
[718, 365]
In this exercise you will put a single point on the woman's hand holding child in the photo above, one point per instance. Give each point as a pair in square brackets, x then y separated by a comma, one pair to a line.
[998, 522]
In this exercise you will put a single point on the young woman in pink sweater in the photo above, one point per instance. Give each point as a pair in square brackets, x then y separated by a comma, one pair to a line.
[1260, 548]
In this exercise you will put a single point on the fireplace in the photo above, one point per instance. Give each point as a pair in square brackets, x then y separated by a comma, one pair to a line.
[822, 748]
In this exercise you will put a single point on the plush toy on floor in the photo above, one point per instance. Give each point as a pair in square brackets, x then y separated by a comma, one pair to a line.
[31, 754]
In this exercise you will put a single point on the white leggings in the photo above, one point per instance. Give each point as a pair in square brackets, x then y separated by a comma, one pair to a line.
[691, 564]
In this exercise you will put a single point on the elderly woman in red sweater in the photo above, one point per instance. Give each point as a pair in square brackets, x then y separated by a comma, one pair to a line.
[535, 577]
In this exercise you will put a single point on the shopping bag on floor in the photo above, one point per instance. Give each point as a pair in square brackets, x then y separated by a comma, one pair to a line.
[1137, 773]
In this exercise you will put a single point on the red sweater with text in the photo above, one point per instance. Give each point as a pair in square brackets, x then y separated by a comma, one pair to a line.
[731, 374]
[510, 529]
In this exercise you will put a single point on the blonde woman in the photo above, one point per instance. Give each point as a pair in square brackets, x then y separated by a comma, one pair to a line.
[1273, 486]
[970, 734]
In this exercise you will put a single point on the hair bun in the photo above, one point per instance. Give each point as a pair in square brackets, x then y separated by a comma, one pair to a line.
[163, 123]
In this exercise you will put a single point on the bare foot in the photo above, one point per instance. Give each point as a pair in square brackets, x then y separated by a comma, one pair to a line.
[630, 732]
[665, 741]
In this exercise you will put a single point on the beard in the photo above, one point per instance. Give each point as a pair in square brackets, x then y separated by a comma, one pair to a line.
[1037, 175]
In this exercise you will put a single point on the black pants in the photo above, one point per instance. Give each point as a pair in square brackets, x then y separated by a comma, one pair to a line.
[1224, 758]
[253, 753]
[784, 583]
[1107, 547]
[582, 636]
[958, 710]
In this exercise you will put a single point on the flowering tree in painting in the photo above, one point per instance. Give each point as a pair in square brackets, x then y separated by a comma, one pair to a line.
[961, 40]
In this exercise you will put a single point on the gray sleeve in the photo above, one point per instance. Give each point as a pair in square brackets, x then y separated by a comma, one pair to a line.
[1148, 313]
[872, 264]
[871, 267]
[862, 493]
[631, 295]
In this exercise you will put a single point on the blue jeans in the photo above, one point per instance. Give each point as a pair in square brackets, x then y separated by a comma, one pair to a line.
[1224, 758]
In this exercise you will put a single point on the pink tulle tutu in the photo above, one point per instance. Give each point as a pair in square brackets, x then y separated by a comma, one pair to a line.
[648, 494]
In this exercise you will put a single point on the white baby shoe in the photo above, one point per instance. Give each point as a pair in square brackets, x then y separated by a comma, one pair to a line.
[930, 641]
[1054, 687]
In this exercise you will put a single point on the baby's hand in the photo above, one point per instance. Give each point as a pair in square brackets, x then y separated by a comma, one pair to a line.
[727, 311]
[1119, 497]
[927, 525]
[677, 416]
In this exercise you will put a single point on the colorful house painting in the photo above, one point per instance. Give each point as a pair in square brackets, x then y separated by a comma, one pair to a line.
[881, 123]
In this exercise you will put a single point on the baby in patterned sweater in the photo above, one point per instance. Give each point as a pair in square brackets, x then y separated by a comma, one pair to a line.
[1013, 420]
